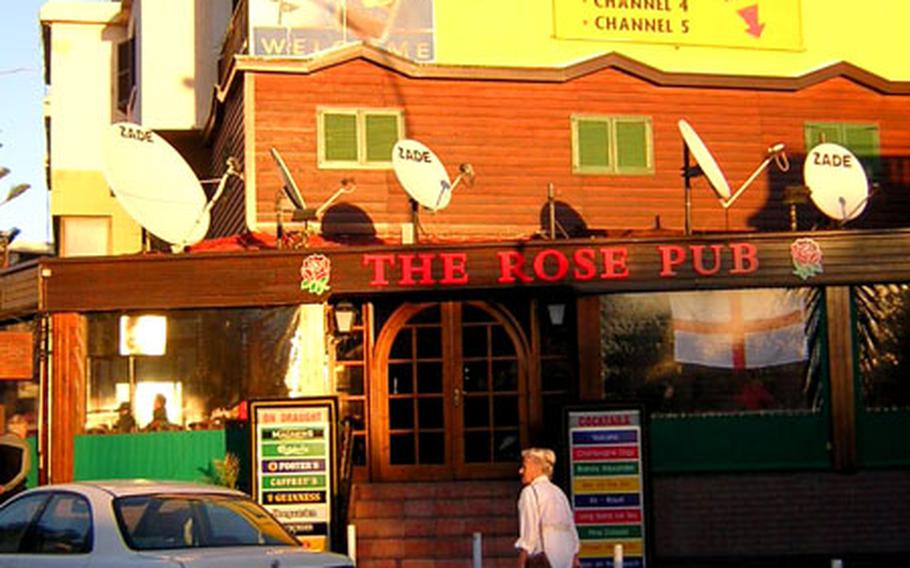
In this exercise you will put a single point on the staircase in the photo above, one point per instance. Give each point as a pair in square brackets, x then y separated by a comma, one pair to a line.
[430, 525]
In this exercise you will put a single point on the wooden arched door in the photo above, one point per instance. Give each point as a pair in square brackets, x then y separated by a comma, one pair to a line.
[449, 395]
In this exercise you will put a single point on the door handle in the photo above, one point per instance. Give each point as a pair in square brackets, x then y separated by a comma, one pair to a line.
[457, 393]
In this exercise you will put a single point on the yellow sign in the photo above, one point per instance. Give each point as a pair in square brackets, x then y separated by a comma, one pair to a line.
[751, 24]
[605, 548]
[606, 484]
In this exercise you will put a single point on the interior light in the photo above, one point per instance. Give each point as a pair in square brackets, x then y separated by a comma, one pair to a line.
[143, 335]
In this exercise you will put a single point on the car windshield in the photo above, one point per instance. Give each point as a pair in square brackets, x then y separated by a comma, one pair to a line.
[168, 521]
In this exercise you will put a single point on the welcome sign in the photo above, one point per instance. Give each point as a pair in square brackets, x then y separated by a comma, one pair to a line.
[303, 28]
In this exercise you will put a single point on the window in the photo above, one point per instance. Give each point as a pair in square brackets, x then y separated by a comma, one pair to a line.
[85, 236]
[861, 139]
[64, 527]
[723, 351]
[15, 519]
[358, 138]
[619, 145]
[126, 73]
[883, 332]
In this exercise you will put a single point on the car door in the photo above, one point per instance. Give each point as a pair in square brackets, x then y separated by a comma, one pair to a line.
[15, 519]
[58, 532]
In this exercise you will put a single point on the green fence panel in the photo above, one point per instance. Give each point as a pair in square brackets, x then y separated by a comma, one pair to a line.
[739, 443]
[883, 438]
[184, 455]
[32, 480]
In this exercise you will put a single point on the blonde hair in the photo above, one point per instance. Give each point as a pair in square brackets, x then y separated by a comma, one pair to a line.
[544, 457]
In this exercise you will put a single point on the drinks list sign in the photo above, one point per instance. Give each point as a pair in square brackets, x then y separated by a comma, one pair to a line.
[294, 473]
[606, 470]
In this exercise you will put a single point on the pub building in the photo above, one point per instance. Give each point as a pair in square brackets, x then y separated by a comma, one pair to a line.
[584, 261]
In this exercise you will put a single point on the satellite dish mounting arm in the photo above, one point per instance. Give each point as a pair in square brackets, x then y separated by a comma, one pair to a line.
[347, 186]
[233, 169]
[776, 153]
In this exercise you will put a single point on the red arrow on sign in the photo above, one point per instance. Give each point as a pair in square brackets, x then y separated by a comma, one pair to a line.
[750, 15]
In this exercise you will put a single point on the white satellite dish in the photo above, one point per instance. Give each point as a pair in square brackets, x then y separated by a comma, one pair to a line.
[705, 161]
[421, 174]
[708, 166]
[154, 184]
[837, 181]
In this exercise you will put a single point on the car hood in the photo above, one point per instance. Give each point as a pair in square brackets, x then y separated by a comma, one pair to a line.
[251, 557]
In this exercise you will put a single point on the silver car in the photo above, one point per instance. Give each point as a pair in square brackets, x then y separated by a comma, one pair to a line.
[142, 524]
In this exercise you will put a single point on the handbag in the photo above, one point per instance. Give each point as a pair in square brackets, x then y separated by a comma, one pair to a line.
[538, 560]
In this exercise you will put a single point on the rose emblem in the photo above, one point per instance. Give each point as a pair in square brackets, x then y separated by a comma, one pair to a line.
[315, 271]
[807, 258]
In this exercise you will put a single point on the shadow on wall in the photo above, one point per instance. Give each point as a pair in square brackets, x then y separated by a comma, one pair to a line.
[566, 222]
[346, 222]
[888, 206]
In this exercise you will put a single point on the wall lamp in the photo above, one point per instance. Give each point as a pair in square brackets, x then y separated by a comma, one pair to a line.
[557, 313]
[344, 316]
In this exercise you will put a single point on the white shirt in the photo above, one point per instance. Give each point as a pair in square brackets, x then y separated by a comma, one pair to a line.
[543, 506]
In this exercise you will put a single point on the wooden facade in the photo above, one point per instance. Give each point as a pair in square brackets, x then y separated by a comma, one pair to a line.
[513, 126]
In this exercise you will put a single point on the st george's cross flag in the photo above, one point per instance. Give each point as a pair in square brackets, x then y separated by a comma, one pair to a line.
[739, 329]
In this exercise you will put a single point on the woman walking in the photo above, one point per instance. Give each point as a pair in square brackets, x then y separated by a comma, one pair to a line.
[547, 535]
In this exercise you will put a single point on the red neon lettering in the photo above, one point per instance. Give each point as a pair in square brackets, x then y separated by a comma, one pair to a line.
[511, 265]
[745, 258]
[615, 265]
[378, 262]
[454, 268]
[423, 268]
[584, 264]
[562, 265]
[698, 261]
[670, 256]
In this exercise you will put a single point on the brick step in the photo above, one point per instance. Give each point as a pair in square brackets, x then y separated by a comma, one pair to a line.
[439, 548]
[435, 563]
[431, 525]
[434, 526]
[416, 490]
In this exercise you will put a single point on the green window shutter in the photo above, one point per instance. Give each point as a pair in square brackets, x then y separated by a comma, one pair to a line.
[593, 144]
[381, 133]
[818, 133]
[631, 145]
[862, 140]
[340, 131]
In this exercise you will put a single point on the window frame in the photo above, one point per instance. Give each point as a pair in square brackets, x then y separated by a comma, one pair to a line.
[872, 163]
[613, 167]
[361, 114]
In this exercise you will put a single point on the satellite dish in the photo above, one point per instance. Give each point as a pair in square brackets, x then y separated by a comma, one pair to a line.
[421, 174]
[707, 165]
[837, 181]
[294, 195]
[154, 184]
[290, 186]
[705, 161]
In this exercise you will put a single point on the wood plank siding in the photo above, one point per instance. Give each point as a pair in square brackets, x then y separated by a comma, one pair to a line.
[19, 291]
[514, 128]
[229, 213]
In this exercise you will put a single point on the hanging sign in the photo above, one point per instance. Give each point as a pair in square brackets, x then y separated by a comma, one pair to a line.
[607, 484]
[294, 458]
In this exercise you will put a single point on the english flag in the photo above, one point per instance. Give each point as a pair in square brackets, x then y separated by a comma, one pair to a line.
[739, 329]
